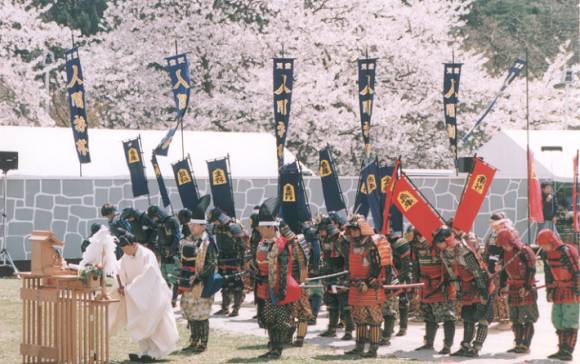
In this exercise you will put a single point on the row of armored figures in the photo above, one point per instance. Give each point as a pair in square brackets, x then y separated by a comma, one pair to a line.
[366, 280]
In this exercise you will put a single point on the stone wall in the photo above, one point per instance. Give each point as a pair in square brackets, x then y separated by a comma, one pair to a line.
[69, 206]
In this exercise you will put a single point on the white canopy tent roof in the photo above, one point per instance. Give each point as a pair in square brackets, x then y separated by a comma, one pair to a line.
[553, 151]
[50, 152]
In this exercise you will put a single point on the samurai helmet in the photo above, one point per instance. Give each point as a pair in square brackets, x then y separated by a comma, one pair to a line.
[508, 237]
[359, 222]
[198, 212]
[547, 237]
[107, 209]
[268, 213]
[216, 214]
[129, 212]
[184, 215]
[442, 233]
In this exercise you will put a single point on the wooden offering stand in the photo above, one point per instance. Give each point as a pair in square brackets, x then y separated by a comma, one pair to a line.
[63, 322]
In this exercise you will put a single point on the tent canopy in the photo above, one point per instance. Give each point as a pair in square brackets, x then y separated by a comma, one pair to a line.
[50, 152]
[553, 151]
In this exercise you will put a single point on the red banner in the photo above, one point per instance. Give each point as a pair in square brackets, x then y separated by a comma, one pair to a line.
[415, 208]
[476, 188]
[575, 194]
[534, 192]
[389, 198]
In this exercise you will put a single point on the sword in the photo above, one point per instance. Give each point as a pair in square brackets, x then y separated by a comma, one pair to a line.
[327, 276]
[400, 286]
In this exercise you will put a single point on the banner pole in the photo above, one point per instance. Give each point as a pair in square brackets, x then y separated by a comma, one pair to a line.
[528, 143]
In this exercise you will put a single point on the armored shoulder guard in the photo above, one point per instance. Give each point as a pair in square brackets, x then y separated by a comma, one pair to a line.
[384, 249]
[236, 229]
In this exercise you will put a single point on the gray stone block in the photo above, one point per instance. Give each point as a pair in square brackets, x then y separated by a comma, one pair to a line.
[500, 185]
[441, 186]
[127, 191]
[72, 245]
[19, 203]
[315, 194]
[19, 228]
[88, 200]
[115, 195]
[61, 212]
[239, 199]
[103, 183]
[270, 191]
[72, 224]
[32, 188]
[496, 202]
[15, 247]
[119, 182]
[42, 220]
[101, 196]
[51, 186]
[77, 187]
[243, 185]
[83, 229]
[123, 204]
[84, 212]
[254, 196]
[45, 202]
[15, 188]
[24, 214]
[261, 182]
[60, 200]
[59, 229]
[141, 204]
[445, 202]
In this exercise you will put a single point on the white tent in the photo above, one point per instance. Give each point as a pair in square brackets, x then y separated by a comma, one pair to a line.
[553, 151]
[50, 152]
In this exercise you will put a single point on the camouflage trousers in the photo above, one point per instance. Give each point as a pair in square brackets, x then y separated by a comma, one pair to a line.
[277, 317]
[501, 308]
[438, 311]
[301, 309]
[367, 315]
[524, 314]
[391, 307]
[198, 309]
[565, 315]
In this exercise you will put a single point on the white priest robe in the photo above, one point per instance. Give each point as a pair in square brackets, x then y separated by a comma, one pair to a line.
[145, 309]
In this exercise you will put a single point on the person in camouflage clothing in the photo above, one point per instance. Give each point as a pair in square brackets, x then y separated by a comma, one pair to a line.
[230, 238]
[334, 254]
[141, 226]
[437, 295]
[463, 263]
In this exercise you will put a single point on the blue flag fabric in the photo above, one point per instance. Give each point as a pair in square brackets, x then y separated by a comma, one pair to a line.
[178, 68]
[163, 147]
[369, 176]
[366, 95]
[77, 105]
[134, 159]
[333, 197]
[162, 189]
[395, 216]
[221, 186]
[283, 83]
[294, 208]
[186, 184]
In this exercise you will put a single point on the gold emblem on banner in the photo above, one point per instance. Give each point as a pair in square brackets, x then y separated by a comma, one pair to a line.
[451, 131]
[325, 169]
[80, 123]
[75, 77]
[281, 129]
[406, 200]
[218, 177]
[157, 171]
[288, 193]
[282, 89]
[450, 108]
[183, 176]
[384, 183]
[76, 99]
[280, 150]
[180, 80]
[451, 90]
[371, 183]
[82, 147]
[133, 155]
[181, 101]
[479, 183]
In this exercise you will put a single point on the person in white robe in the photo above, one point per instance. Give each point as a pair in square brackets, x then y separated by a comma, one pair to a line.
[145, 303]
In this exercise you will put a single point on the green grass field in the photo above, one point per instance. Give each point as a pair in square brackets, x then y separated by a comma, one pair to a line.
[223, 346]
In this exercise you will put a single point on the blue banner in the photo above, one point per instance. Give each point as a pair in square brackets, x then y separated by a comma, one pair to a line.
[221, 185]
[369, 177]
[451, 78]
[395, 216]
[134, 159]
[77, 105]
[513, 72]
[162, 189]
[163, 147]
[366, 95]
[186, 184]
[283, 83]
[294, 208]
[333, 197]
[178, 69]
